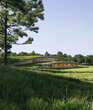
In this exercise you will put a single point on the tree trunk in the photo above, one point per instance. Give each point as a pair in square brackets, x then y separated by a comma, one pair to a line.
[5, 39]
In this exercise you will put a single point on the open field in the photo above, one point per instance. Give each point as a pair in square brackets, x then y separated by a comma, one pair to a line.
[32, 88]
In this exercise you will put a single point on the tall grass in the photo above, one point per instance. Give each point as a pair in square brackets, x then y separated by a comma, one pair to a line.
[27, 89]
[4, 105]
[40, 104]
[30, 90]
[71, 104]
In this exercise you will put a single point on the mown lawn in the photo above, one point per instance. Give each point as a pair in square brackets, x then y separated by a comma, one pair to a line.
[28, 88]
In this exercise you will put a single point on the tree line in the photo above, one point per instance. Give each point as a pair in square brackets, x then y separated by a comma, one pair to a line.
[79, 58]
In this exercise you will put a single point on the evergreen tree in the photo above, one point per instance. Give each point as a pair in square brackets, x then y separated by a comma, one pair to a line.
[16, 17]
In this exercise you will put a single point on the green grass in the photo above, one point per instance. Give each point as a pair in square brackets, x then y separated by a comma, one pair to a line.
[13, 59]
[84, 73]
[30, 88]
[22, 57]
[83, 69]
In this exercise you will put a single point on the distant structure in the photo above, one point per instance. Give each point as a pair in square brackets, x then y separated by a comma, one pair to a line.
[61, 64]
[39, 60]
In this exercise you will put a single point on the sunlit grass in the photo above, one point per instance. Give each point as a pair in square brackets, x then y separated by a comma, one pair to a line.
[84, 69]
[22, 57]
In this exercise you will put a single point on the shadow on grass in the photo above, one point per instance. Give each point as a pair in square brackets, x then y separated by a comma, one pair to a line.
[10, 60]
[18, 86]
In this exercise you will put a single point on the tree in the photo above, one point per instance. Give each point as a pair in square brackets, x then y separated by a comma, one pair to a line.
[89, 59]
[22, 54]
[79, 58]
[33, 53]
[69, 58]
[59, 53]
[13, 54]
[46, 53]
[16, 17]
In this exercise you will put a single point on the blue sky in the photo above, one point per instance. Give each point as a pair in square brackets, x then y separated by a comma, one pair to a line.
[68, 27]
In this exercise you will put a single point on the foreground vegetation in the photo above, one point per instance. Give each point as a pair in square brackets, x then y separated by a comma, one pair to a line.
[30, 88]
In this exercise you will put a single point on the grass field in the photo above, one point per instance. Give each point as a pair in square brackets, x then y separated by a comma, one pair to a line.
[85, 73]
[32, 88]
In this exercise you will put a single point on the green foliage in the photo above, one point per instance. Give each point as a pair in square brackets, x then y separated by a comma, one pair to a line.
[20, 16]
[79, 58]
[46, 53]
[29, 41]
[37, 104]
[89, 59]
[8, 106]
[33, 52]
[59, 53]
[71, 104]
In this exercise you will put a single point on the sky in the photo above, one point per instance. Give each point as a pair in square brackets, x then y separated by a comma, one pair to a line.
[68, 27]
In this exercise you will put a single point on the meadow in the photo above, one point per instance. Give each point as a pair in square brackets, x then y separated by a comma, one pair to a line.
[29, 87]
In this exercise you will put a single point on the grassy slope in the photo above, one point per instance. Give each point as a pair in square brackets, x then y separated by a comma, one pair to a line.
[13, 59]
[84, 74]
[24, 88]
